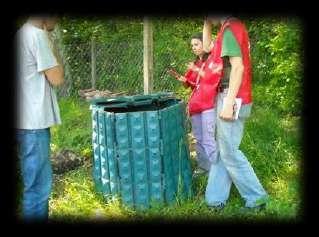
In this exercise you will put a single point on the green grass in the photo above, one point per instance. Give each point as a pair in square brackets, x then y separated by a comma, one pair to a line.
[75, 131]
[271, 143]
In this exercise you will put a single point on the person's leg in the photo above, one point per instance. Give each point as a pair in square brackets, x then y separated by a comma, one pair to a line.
[202, 159]
[238, 167]
[218, 185]
[44, 184]
[27, 151]
[36, 181]
[208, 135]
[219, 181]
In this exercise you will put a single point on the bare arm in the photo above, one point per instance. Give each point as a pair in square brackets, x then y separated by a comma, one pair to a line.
[55, 75]
[207, 35]
[236, 76]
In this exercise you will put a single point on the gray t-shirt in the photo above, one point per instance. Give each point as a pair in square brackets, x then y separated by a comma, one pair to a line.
[37, 106]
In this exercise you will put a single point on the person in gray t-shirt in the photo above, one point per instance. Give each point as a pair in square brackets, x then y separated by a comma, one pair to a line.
[38, 72]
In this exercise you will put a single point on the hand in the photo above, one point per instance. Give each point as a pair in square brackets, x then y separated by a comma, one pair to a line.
[191, 66]
[207, 21]
[227, 112]
[173, 73]
[212, 20]
[182, 79]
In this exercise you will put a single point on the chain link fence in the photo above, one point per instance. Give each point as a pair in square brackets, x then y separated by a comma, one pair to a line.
[103, 66]
[113, 66]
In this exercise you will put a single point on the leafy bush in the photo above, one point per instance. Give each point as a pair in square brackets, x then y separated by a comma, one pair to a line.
[277, 59]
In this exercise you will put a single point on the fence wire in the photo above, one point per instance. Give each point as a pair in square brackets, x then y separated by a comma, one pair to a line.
[113, 66]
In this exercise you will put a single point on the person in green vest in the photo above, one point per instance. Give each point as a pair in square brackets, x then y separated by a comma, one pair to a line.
[232, 46]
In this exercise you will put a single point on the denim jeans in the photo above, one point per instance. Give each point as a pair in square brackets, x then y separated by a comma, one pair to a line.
[232, 165]
[203, 126]
[34, 156]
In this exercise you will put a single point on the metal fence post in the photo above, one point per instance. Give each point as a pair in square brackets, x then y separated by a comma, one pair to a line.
[93, 63]
[148, 56]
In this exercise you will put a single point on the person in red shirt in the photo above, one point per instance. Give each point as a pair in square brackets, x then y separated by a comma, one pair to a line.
[201, 105]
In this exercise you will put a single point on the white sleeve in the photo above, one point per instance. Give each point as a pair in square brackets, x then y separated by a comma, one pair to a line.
[44, 56]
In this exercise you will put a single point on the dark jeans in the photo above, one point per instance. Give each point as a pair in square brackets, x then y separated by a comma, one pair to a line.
[34, 156]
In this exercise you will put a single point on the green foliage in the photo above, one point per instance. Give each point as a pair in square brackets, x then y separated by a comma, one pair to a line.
[287, 73]
[118, 53]
[277, 58]
[102, 29]
[172, 49]
[75, 131]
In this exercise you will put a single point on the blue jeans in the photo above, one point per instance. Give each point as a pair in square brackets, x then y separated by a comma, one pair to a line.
[232, 165]
[34, 156]
[203, 126]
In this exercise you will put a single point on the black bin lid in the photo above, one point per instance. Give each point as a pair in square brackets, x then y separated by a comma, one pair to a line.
[132, 101]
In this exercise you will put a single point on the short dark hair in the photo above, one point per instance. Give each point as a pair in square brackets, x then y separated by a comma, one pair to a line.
[197, 36]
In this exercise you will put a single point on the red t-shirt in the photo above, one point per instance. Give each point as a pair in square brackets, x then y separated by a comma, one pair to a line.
[204, 88]
[191, 76]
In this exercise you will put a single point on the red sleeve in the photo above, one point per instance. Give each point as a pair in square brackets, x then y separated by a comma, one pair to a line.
[190, 78]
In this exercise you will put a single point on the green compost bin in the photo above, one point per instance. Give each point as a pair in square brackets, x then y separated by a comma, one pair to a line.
[140, 149]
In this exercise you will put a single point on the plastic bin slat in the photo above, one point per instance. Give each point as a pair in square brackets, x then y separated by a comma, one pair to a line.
[139, 160]
[105, 176]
